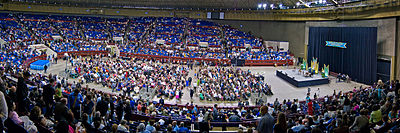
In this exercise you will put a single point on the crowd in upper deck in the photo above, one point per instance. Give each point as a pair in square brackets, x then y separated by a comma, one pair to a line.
[167, 36]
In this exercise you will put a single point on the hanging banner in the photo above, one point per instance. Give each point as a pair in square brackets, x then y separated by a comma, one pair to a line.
[336, 44]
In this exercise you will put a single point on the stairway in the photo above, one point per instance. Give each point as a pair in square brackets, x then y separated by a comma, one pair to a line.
[185, 32]
[79, 28]
[127, 30]
[117, 52]
[148, 31]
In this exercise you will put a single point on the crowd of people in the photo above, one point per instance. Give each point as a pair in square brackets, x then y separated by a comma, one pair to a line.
[49, 103]
[74, 45]
[39, 103]
[229, 84]
[132, 75]
[136, 35]
[72, 107]
[237, 38]
[13, 55]
[364, 109]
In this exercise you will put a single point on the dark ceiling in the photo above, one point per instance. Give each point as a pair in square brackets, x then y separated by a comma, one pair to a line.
[190, 4]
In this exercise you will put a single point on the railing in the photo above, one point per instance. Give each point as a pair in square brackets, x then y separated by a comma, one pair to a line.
[25, 40]
[100, 39]
[175, 59]
[31, 60]
[145, 117]
[209, 107]
[18, 48]
[181, 59]
[268, 62]
[82, 53]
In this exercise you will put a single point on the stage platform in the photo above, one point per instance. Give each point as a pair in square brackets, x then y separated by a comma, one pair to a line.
[39, 64]
[295, 78]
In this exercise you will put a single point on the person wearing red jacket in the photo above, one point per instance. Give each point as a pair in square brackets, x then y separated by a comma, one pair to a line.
[310, 108]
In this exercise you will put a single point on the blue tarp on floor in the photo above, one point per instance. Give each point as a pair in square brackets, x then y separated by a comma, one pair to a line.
[39, 65]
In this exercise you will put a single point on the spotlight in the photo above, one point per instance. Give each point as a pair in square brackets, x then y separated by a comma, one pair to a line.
[259, 5]
[264, 6]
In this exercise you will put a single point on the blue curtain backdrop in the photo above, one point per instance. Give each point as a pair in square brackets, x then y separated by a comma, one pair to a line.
[358, 60]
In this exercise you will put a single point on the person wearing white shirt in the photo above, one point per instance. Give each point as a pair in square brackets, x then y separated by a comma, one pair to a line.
[3, 107]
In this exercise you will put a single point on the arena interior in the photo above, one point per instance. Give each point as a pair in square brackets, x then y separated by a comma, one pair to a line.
[220, 66]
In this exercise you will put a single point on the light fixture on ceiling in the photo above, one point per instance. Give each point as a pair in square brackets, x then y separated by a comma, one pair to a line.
[303, 3]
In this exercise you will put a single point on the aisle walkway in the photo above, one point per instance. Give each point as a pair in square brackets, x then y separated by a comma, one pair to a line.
[186, 93]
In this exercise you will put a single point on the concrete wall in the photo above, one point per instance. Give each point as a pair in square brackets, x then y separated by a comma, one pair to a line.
[293, 32]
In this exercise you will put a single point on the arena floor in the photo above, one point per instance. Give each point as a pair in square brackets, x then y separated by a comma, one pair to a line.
[281, 89]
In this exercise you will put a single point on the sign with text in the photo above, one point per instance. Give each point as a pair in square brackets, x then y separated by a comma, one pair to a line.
[336, 44]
